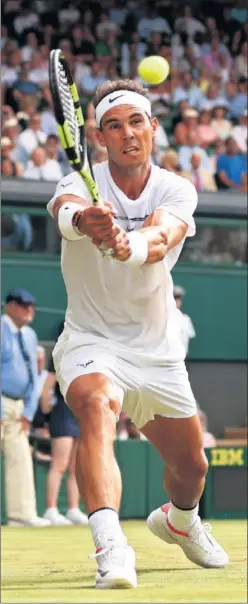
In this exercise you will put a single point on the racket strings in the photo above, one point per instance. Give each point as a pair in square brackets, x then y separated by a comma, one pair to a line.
[68, 108]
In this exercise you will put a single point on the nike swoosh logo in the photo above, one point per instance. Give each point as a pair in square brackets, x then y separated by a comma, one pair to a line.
[116, 97]
[67, 184]
[103, 573]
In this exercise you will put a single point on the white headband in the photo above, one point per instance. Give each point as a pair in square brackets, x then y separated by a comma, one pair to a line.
[122, 97]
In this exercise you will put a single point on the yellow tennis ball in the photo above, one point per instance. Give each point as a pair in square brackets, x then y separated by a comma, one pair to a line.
[154, 69]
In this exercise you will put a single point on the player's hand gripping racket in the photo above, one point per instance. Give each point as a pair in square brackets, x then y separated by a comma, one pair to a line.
[70, 122]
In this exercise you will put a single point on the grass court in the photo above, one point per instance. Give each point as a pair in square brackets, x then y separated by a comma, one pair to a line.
[52, 565]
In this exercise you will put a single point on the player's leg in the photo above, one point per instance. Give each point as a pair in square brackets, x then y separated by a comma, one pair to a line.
[176, 433]
[61, 451]
[96, 403]
[180, 443]
[74, 513]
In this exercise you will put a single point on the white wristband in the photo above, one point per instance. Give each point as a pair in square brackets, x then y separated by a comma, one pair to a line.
[65, 216]
[139, 248]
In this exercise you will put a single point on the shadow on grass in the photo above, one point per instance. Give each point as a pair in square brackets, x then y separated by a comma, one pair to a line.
[49, 586]
[147, 571]
[47, 582]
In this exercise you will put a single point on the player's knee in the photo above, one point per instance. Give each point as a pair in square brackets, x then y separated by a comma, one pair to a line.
[97, 404]
[193, 468]
[197, 466]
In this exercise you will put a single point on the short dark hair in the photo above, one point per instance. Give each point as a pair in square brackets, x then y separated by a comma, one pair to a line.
[53, 137]
[113, 86]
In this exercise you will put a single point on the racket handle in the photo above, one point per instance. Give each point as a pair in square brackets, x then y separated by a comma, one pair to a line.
[106, 251]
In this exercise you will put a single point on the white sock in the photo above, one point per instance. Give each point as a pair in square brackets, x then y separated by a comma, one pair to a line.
[182, 519]
[52, 510]
[106, 528]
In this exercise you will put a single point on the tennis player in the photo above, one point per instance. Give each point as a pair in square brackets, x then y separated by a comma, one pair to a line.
[120, 347]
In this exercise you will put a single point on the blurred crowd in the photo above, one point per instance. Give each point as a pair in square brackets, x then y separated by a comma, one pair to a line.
[201, 107]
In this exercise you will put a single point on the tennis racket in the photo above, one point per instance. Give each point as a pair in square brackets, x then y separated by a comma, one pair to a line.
[70, 120]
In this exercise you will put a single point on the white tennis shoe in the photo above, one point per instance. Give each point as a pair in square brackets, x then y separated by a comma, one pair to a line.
[116, 567]
[198, 544]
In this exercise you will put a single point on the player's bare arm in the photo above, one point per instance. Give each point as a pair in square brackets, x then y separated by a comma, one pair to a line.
[162, 231]
[94, 221]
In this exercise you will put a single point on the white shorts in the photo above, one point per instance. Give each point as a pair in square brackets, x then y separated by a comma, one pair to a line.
[146, 388]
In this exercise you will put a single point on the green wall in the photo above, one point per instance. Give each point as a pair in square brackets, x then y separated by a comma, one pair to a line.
[216, 299]
[142, 477]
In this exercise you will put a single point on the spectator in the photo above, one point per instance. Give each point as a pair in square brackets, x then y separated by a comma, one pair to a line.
[188, 91]
[188, 24]
[11, 130]
[8, 166]
[169, 161]
[135, 48]
[83, 47]
[212, 97]
[39, 69]
[33, 136]
[190, 61]
[221, 126]
[9, 69]
[31, 46]
[205, 129]
[48, 122]
[232, 168]
[20, 236]
[68, 15]
[199, 176]
[104, 26]
[240, 62]
[192, 146]
[224, 66]
[108, 47]
[177, 49]
[152, 21]
[236, 95]
[189, 123]
[27, 19]
[19, 402]
[203, 79]
[7, 113]
[89, 82]
[219, 148]
[64, 434]
[187, 331]
[49, 36]
[55, 155]
[212, 59]
[23, 87]
[181, 108]
[41, 168]
[239, 133]
[154, 43]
